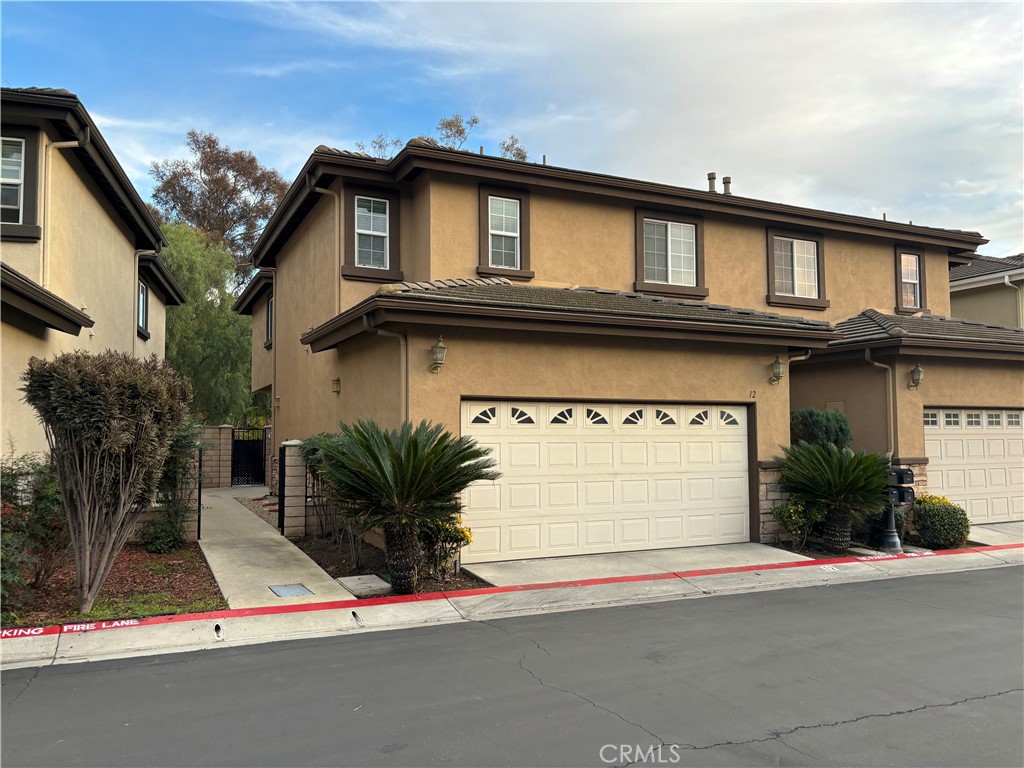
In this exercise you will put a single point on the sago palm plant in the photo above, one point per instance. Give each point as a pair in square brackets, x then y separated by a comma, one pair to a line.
[398, 480]
[842, 483]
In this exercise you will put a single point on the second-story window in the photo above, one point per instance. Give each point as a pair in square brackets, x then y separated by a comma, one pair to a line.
[503, 231]
[143, 310]
[910, 287]
[12, 174]
[670, 252]
[796, 270]
[270, 323]
[372, 233]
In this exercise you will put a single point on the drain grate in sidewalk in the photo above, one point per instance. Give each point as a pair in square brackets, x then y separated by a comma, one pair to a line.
[290, 590]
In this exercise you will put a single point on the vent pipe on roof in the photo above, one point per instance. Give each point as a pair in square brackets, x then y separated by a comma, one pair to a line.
[711, 181]
[544, 160]
[727, 185]
[481, 149]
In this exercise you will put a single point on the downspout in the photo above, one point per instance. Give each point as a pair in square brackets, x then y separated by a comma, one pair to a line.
[889, 400]
[44, 263]
[135, 307]
[337, 243]
[1020, 300]
[403, 361]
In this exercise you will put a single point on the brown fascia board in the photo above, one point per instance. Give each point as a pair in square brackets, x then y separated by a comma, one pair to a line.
[923, 347]
[261, 284]
[155, 274]
[378, 311]
[411, 161]
[24, 295]
[69, 113]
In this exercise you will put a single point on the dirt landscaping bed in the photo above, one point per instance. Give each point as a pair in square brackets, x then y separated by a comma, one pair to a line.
[140, 584]
[338, 562]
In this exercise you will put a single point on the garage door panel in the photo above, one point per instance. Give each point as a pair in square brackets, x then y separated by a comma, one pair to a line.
[976, 461]
[580, 478]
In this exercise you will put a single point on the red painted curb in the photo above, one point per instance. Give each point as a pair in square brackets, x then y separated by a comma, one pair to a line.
[275, 610]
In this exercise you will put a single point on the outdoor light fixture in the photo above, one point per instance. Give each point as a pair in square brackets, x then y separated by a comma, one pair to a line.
[916, 377]
[437, 354]
[336, 386]
[778, 370]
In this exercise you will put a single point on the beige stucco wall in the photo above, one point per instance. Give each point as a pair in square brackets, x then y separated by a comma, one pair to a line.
[994, 304]
[951, 382]
[262, 358]
[854, 387]
[92, 267]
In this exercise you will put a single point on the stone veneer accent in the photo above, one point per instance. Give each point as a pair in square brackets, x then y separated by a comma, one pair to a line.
[294, 491]
[770, 494]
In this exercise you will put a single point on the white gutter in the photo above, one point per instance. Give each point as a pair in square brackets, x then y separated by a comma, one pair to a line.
[44, 259]
[890, 397]
[1020, 300]
[983, 280]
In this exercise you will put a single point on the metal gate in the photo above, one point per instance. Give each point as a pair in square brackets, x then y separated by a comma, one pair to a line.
[249, 457]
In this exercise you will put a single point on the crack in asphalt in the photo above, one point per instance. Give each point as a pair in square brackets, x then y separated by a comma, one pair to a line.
[510, 633]
[26, 687]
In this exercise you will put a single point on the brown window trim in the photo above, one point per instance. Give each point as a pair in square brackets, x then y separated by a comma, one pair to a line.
[349, 269]
[799, 302]
[29, 230]
[915, 251]
[269, 324]
[640, 285]
[484, 268]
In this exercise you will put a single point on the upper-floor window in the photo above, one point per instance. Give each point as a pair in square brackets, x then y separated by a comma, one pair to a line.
[910, 294]
[143, 310]
[796, 270]
[504, 233]
[270, 323]
[372, 234]
[669, 254]
[12, 173]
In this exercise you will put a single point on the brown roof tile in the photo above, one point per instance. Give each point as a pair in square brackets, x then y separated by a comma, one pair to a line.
[986, 265]
[872, 326]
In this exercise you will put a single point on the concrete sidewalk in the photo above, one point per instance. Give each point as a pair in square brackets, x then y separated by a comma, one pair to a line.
[998, 533]
[248, 557]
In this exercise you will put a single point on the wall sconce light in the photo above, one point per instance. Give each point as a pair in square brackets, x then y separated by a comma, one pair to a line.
[437, 355]
[916, 377]
[336, 386]
[778, 370]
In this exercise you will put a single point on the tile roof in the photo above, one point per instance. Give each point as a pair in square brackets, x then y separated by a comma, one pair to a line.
[44, 91]
[871, 325]
[499, 292]
[986, 265]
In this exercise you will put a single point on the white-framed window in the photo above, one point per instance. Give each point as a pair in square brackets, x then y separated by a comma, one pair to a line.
[796, 267]
[994, 420]
[1013, 420]
[270, 320]
[910, 286]
[143, 307]
[372, 232]
[503, 228]
[951, 419]
[670, 252]
[12, 181]
[973, 420]
[931, 418]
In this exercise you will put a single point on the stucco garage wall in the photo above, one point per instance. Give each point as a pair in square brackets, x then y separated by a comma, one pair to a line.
[854, 387]
[262, 358]
[994, 304]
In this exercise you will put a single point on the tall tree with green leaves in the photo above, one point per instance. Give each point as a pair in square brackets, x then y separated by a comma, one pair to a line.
[206, 341]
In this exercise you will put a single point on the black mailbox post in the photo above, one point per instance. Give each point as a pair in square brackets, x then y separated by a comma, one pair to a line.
[899, 492]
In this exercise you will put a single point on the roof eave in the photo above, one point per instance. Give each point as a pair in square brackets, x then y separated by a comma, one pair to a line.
[24, 295]
[153, 270]
[261, 283]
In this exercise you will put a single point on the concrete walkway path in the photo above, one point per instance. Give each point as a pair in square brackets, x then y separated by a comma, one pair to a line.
[998, 533]
[585, 567]
[247, 556]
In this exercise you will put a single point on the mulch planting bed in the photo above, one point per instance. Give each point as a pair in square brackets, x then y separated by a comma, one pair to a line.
[338, 561]
[140, 584]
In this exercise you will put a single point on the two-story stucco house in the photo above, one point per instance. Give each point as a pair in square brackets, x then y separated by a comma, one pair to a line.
[630, 351]
[79, 263]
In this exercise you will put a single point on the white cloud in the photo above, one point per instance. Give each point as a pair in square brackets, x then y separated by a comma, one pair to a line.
[286, 68]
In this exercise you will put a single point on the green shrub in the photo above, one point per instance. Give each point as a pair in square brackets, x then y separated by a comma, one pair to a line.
[870, 527]
[820, 427]
[441, 541]
[164, 533]
[797, 518]
[14, 561]
[28, 484]
[940, 524]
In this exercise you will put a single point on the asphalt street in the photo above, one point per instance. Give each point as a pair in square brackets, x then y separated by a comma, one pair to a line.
[919, 671]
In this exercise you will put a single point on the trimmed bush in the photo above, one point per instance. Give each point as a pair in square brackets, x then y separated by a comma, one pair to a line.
[797, 518]
[870, 527]
[820, 428]
[441, 541]
[939, 523]
[164, 533]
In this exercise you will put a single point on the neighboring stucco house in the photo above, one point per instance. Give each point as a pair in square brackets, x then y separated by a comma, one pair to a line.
[623, 347]
[989, 290]
[79, 263]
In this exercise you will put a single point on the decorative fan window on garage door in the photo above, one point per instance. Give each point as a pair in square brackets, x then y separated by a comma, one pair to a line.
[486, 416]
[664, 418]
[596, 418]
[634, 418]
[726, 419]
[520, 416]
[699, 419]
[564, 416]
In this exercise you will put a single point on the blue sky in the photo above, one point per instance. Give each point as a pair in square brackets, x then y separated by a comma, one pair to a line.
[914, 109]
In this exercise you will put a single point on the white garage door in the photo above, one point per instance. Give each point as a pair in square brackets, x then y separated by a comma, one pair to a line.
[976, 460]
[580, 478]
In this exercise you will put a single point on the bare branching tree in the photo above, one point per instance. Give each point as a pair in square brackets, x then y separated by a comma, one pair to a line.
[453, 131]
[382, 146]
[511, 149]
